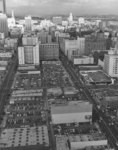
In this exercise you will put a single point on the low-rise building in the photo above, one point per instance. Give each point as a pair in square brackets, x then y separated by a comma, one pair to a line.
[80, 112]
[80, 60]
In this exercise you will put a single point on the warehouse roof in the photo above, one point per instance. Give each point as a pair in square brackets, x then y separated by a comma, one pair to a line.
[72, 108]
[19, 137]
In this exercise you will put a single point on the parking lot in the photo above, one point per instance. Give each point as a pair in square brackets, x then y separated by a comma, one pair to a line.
[55, 75]
[27, 81]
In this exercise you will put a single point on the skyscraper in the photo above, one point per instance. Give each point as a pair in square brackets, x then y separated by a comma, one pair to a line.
[70, 19]
[28, 23]
[29, 55]
[3, 6]
[3, 24]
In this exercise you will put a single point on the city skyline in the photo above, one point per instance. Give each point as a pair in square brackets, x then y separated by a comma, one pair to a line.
[77, 7]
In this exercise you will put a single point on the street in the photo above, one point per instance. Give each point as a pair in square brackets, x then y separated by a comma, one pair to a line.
[113, 139]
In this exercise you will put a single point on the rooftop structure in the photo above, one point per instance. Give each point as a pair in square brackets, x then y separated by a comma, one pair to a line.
[95, 77]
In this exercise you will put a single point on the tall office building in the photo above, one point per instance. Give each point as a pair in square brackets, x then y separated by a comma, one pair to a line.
[3, 6]
[28, 23]
[111, 63]
[28, 55]
[3, 24]
[70, 19]
[94, 42]
[29, 40]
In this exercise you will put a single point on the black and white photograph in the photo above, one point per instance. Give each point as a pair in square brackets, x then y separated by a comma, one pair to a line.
[58, 74]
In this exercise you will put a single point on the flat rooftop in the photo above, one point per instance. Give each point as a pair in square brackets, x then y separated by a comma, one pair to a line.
[95, 76]
[77, 107]
[26, 136]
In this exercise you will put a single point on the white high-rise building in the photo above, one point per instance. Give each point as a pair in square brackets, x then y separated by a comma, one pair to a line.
[81, 21]
[28, 23]
[3, 24]
[81, 45]
[70, 19]
[30, 40]
[28, 55]
[12, 21]
[21, 55]
[111, 63]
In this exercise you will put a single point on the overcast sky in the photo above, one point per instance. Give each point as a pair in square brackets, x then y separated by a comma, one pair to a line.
[77, 7]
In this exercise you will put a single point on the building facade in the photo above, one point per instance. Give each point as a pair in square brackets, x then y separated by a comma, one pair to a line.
[3, 6]
[49, 51]
[95, 42]
[111, 63]
[73, 47]
[82, 60]
[28, 23]
[28, 55]
[29, 40]
[57, 20]
[3, 24]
